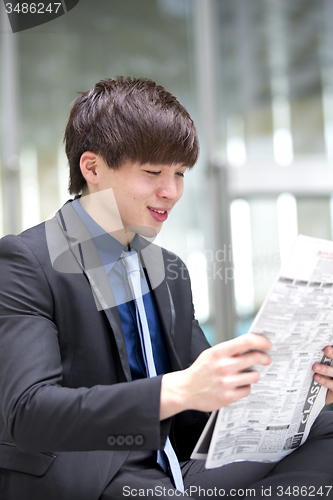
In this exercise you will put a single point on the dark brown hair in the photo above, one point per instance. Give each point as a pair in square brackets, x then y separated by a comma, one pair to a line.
[129, 119]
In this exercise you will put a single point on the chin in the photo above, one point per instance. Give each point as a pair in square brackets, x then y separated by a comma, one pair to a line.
[150, 231]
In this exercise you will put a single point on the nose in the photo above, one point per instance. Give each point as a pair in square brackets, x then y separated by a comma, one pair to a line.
[169, 188]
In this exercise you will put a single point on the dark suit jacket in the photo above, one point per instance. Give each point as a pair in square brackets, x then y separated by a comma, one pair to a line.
[69, 412]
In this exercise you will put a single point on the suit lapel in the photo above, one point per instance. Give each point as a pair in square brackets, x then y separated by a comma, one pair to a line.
[81, 246]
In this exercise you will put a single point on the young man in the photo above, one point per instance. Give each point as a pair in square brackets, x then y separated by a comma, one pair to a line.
[106, 377]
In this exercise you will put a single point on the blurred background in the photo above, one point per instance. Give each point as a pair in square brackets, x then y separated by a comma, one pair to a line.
[257, 78]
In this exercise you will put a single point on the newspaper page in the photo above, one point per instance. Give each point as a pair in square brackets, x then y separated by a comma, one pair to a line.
[297, 316]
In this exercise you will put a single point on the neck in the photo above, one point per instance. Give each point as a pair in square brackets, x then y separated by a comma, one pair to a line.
[102, 207]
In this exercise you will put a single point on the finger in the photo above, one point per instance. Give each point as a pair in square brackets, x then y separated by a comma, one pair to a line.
[240, 363]
[242, 379]
[244, 343]
[237, 387]
[324, 381]
[236, 394]
[329, 351]
[325, 370]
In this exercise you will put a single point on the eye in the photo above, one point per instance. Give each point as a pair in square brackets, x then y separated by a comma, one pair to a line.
[152, 172]
[181, 174]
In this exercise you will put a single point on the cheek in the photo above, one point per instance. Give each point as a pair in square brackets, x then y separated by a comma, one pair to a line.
[180, 192]
[139, 191]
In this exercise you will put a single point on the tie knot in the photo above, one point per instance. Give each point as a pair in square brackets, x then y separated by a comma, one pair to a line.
[131, 261]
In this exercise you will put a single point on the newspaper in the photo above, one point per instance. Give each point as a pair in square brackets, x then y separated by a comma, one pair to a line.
[297, 316]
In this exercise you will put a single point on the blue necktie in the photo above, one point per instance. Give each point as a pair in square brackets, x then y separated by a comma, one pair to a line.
[131, 262]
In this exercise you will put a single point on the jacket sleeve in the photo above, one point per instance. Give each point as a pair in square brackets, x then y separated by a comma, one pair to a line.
[40, 414]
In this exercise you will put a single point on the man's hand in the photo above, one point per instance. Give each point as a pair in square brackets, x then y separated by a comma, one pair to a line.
[324, 375]
[217, 378]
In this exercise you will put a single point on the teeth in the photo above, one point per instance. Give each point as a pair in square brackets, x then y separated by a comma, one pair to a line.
[158, 211]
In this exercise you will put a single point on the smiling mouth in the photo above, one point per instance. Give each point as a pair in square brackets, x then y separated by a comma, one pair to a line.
[157, 211]
[159, 215]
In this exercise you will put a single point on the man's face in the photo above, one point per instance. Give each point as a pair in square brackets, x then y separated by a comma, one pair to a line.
[145, 194]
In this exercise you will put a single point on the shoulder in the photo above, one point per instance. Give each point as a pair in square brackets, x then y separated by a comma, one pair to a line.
[38, 240]
[27, 241]
[24, 261]
[174, 266]
[171, 267]
[169, 258]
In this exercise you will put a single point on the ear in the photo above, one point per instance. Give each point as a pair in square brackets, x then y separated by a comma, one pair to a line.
[89, 167]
